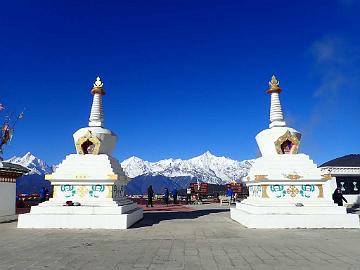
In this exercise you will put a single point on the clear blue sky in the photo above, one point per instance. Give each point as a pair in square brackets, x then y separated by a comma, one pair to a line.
[182, 77]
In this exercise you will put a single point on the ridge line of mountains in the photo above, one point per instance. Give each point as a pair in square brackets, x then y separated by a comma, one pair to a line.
[168, 173]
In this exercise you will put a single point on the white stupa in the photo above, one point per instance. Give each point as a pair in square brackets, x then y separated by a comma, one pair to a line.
[286, 188]
[92, 178]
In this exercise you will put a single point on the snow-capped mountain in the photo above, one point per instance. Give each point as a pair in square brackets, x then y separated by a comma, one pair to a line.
[34, 164]
[169, 173]
[206, 168]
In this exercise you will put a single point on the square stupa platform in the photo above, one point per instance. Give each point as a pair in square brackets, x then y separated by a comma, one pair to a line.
[81, 217]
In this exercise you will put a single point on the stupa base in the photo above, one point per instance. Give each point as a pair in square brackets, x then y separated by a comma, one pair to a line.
[81, 217]
[264, 217]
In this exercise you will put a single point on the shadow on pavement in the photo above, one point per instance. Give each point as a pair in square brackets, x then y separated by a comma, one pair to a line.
[151, 218]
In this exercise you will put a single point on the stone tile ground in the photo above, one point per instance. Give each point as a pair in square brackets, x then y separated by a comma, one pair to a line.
[202, 239]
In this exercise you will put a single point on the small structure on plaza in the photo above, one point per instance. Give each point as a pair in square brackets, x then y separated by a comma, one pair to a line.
[286, 189]
[88, 185]
[345, 173]
[8, 171]
[8, 174]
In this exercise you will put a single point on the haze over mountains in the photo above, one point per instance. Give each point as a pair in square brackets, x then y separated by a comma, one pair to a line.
[168, 173]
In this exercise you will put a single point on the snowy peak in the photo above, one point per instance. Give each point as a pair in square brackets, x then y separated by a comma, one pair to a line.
[34, 164]
[135, 166]
[206, 167]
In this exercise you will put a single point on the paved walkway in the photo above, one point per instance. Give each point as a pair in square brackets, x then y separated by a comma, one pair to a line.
[202, 239]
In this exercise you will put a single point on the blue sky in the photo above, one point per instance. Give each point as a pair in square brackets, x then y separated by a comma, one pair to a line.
[181, 77]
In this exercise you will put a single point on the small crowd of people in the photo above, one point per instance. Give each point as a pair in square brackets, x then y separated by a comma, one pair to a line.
[166, 196]
[174, 195]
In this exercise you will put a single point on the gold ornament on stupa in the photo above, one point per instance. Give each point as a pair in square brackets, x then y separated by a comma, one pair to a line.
[98, 87]
[98, 82]
[274, 85]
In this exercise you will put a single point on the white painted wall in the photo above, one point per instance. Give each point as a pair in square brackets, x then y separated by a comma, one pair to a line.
[7, 199]
[330, 186]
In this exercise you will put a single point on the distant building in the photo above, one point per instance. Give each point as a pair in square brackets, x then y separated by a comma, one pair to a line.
[345, 173]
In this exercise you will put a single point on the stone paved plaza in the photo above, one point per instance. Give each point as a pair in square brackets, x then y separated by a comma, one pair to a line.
[205, 238]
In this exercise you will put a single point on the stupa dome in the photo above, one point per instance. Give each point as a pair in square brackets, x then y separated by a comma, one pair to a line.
[278, 138]
[95, 139]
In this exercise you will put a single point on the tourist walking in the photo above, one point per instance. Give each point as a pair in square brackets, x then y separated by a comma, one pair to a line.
[229, 194]
[166, 196]
[338, 197]
[188, 195]
[150, 194]
[174, 194]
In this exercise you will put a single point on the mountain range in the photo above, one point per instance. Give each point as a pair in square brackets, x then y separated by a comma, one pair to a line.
[205, 168]
[168, 173]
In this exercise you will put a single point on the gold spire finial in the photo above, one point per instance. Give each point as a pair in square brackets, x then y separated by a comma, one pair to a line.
[98, 87]
[274, 85]
[98, 83]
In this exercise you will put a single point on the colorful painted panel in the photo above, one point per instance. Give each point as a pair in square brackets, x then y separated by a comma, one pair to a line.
[73, 193]
[277, 191]
[293, 191]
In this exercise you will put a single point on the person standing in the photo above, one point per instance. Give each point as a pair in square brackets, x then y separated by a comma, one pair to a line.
[150, 194]
[46, 194]
[188, 195]
[235, 196]
[229, 194]
[42, 194]
[338, 197]
[174, 194]
[166, 196]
